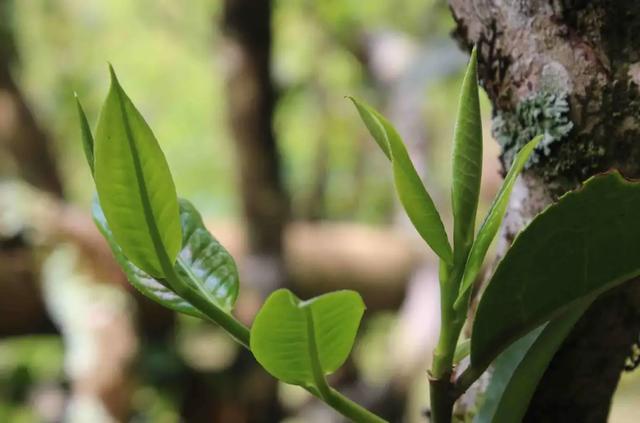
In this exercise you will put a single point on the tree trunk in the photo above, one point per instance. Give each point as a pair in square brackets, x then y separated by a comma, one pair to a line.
[25, 152]
[569, 69]
[28, 147]
[251, 100]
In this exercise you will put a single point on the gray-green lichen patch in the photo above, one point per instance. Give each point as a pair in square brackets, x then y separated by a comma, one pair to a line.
[542, 113]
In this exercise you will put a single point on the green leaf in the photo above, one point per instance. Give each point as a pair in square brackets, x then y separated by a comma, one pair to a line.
[142, 281]
[134, 185]
[204, 262]
[584, 244]
[467, 164]
[462, 350]
[87, 137]
[519, 376]
[492, 221]
[412, 193]
[290, 337]
[212, 270]
[502, 371]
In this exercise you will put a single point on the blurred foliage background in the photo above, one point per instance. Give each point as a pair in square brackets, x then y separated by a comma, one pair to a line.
[110, 356]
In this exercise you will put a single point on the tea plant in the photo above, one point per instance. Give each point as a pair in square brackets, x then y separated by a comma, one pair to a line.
[576, 249]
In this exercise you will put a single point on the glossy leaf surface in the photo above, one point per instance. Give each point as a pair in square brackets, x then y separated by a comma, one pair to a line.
[467, 163]
[201, 251]
[134, 185]
[586, 243]
[413, 195]
[492, 221]
[289, 335]
[204, 262]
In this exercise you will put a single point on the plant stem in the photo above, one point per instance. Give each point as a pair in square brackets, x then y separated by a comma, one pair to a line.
[466, 379]
[225, 320]
[441, 400]
[452, 321]
[350, 409]
[241, 334]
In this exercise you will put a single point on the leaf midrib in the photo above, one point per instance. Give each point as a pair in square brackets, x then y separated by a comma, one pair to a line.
[197, 282]
[314, 357]
[156, 239]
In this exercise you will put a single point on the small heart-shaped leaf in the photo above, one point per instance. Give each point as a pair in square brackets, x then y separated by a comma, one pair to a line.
[294, 339]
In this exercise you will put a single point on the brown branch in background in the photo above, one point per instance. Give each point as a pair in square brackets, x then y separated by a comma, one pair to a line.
[251, 99]
[27, 145]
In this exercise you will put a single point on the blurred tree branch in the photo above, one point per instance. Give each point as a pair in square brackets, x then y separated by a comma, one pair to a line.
[20, 136]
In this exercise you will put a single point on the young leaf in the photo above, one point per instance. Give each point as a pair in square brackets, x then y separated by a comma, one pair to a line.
[492, 222]
[586, 243]
[526, 369]
[212, 271]
[290, 337]
[142, 281]
[412, 193]
[87, 137]
[204, 262]
[462, 350]
[467, 163]
[134, 185]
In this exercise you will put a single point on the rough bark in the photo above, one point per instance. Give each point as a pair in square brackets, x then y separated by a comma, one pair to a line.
[570, 69]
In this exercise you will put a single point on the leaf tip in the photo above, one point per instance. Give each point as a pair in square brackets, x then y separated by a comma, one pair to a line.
[474, 54]
[78, 104]
[536, 140]
[114, 77]
[353, 100]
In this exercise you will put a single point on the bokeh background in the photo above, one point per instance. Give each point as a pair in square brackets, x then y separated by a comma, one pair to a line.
[258, 134]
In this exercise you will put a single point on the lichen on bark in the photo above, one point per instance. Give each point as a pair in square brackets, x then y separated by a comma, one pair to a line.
[533, 56]
[543, 113]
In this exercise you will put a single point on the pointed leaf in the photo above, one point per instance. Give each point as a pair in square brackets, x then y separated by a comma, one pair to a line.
[412, 193]
[289, 335]
[135, 186]
[467, 164]
[523, 372]
[87, 137]
[492, 222]
[201, 251]
[586, 243]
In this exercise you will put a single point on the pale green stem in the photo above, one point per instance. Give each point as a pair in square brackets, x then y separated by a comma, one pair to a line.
[442, 391]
